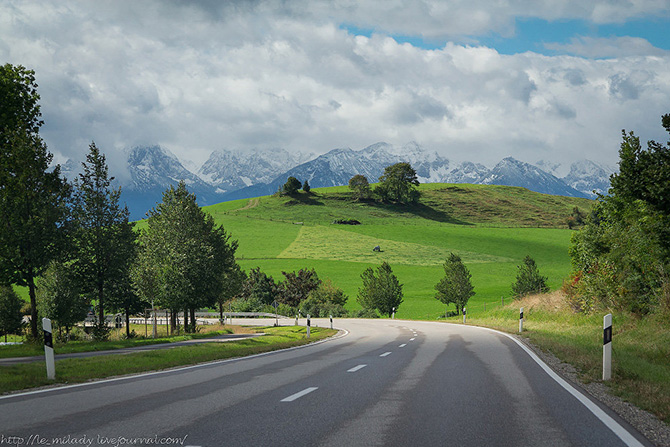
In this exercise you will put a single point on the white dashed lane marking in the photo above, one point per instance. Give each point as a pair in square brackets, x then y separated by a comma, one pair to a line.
[356, 368]
[295, 396]
[385, 354]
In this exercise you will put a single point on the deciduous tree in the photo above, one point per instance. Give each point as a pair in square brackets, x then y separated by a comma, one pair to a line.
[528, 279]
[359, 184]
[10, 311]
[398, 183]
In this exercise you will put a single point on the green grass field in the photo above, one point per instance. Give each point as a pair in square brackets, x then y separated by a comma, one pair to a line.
[492, 228]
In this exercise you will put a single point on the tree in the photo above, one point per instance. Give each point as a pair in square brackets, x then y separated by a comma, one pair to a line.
[260, 287]
[359, 184]
[398, 183]
[59, 299]
[233, 282]
[456, 286]
[183, 255]
[306, 187]
[528, 279]
[11, 318]
[297, 286]
[381, 290]
[103, 240]
[325, 300]
[621, 257]
[291, 186]
[33, 196]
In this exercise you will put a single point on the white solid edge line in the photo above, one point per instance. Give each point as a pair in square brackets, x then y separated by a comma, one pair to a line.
[298, 395]
[598, 412]
[167, 371]
[356, 368]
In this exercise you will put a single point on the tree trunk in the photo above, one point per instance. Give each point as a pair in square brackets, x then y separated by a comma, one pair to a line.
[193, 321]
[127, 309]
[173, 321]
[186, 321]
[33, 305]
[101, 310]
[220, 311]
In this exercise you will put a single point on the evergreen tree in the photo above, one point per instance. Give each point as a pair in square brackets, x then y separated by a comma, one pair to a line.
[456, 286]
[381, 290]
[33, 196]
[103, 240]
[528, 279]
[306, 187]
[291, 186]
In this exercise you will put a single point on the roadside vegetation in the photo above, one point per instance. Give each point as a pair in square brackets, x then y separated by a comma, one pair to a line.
[30, 375]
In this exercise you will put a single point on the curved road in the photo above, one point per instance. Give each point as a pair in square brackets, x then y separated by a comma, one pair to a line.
[382, 382]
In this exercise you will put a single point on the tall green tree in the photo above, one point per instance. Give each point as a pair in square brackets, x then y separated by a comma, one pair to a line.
[103, 240]
[398, 184]
[33, 196]
[11, 318]
[260, 287]
[233, 282]
[381, 290]
[528, 279]
[456, 285]
[297, 286]
[360, 186]
[291, 186]
[183, 255]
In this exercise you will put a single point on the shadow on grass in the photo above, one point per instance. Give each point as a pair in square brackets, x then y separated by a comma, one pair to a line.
[420, 210]
[303, 199]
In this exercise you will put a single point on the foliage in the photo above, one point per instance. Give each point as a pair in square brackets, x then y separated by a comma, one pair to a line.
[381, 291]
[59, 299]
[291, 186]
[398, 184]
[298, 285]
[260, 288]
[183, 254]
[306, 187]
[33, 195]
[233, 281]
[576, 219]
[103, 242]
[325, 300]
[455, 287]
[10, 311]
[528, 279]
[359, 184]
[621, 258]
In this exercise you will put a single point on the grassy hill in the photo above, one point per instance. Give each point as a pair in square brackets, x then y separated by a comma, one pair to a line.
[491, 227]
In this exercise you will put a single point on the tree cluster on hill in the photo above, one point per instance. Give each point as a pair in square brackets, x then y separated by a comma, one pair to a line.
[293, 185]
[621, 257]
[397, 184]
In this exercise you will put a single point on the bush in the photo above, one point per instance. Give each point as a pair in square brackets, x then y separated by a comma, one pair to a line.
[365, 313]
[346, 222]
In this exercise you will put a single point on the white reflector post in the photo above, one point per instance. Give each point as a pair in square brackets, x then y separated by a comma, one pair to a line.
[521, 320]
[309, 324]
[49, 349]
[464, 315]
[607, 347]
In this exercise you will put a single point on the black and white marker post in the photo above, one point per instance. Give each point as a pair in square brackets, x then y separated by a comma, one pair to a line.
[393, 314]
[607, 347]
[521, 320]
[308, 325]
[49, 349]
[331, 321]
[464, 315]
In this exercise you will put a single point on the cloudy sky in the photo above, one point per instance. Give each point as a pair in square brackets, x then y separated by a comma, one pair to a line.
[471, 79]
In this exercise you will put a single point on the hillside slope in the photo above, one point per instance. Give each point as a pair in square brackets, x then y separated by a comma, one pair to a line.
[491, 227]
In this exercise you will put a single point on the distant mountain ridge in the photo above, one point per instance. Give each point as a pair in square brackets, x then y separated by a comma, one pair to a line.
[230, 175]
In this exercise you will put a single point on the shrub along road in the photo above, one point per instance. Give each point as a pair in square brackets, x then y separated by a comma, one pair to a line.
[388, 382]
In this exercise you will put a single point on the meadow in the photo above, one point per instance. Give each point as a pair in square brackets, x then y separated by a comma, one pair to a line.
[492, 228]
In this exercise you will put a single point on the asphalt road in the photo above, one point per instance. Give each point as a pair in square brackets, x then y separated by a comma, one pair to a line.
[383, 382]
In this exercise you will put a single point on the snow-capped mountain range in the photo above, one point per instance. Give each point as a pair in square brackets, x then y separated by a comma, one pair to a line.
[229, 175]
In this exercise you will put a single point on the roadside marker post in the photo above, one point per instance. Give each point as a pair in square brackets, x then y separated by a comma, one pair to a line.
[464, 315]
[49, 349]
[393, 316]
[521, 320]
[607, 347]
[308, 325]
[331, 321]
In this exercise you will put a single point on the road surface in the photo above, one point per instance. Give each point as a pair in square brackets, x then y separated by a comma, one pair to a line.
[382, 382]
